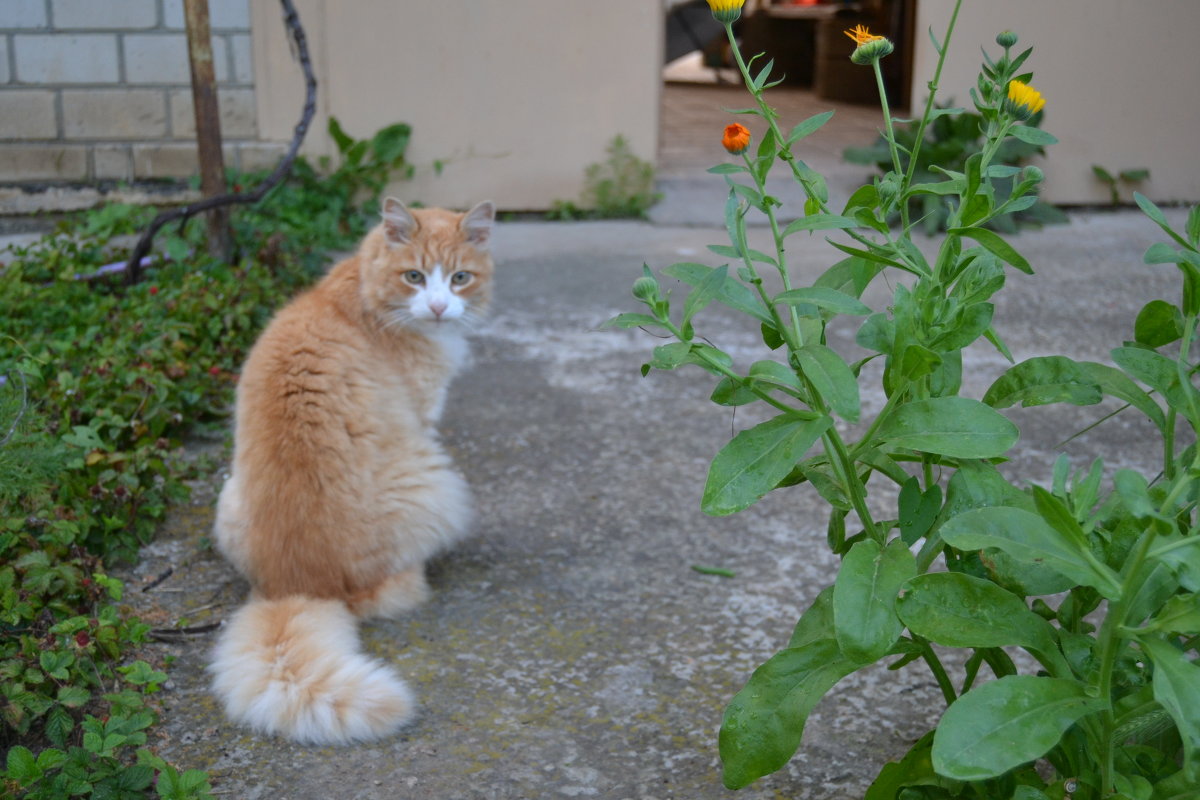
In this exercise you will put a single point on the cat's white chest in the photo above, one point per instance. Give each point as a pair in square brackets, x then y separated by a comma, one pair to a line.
[456, 350]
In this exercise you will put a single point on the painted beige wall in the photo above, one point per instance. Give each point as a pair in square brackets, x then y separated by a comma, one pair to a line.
[1120, 77]
[516, 97]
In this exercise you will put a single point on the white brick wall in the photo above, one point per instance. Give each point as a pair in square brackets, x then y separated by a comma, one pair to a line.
[100, 90]
[46, 59]
[126, 14]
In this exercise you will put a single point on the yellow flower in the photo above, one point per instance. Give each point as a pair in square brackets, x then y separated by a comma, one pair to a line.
[870, 48]
[736, 138]
[858, 33]
[726, 12]
[1023, 100]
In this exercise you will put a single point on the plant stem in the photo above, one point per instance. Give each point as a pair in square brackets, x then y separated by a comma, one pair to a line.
[891, 136]
[933, 87]
[938, 670]
[1110, 640]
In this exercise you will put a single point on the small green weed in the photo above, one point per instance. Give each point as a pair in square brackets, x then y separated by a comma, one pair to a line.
[620, 187]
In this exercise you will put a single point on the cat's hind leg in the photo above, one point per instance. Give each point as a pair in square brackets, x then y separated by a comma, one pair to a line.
[394, 595]
[229, 526]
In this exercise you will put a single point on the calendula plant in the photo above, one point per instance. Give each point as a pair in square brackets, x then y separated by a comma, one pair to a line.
[1097, 586]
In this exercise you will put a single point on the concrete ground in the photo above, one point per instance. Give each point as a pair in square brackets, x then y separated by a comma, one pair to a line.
[569, 648]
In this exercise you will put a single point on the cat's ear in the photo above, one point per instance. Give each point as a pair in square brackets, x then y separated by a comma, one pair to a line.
[399, 225]
[477, 223]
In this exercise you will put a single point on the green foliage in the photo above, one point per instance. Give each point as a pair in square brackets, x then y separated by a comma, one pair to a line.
[1099, 586]
[101, 382]
[621, 186]
[951, 137]
[1113, 182]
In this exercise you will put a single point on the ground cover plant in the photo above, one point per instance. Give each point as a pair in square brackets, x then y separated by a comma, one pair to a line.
[1094, 576]
[101, 382]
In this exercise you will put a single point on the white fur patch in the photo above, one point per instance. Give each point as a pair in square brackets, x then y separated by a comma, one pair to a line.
[294, 668]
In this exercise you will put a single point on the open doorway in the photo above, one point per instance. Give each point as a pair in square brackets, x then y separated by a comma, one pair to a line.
[811, 52]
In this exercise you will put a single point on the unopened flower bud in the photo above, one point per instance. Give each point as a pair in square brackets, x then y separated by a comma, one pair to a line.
[1032, 174]
[645, 289]
[1006, 39]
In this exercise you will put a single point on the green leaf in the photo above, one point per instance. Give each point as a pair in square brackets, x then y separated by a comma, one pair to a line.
[1179, 615]
[1158, 323]
[917, 509]
[832, 378]
[1006, 723]
[22, 767]
[1115, 383]
[708, 289]
[1034, 136]
[1027, 536]
[808, 126]
[731, 392]
[997, 246]
[388, 144]
[629, 320]
[59, 725]
[915, 769]
[816, 623]
[958, 610]
[1161, 374]
[339, 136]
[820, 222]
[951, 426]
[828, 299]
[1177, 689]
[732, 293]
[864, 598]
[1043, 380]
[73, 696]
[756, 460]
[727, 169]
[776, 373]
[764, 722]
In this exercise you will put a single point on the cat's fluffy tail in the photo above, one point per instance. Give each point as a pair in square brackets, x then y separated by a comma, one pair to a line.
[294, 667]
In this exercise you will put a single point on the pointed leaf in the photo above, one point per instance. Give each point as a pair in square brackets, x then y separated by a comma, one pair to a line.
[951, 426]
[959, 610]
[1038, 381]
[764, 722]
[992, 241]
[819, 222]
[1006, 723]
[756, 460]
[832, 379]
[1027, 536]
[864, 598]
[809, 126]
[828, 299]
[1177, 689]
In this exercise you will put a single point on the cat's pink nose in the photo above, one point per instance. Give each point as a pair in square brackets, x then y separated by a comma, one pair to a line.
[438, 307]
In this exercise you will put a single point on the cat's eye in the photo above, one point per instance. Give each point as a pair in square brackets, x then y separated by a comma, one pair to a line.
[461, 278]
[415, 277]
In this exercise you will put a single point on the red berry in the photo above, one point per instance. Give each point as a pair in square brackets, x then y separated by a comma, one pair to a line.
[153, 290]
[214, 371]
[82, 639]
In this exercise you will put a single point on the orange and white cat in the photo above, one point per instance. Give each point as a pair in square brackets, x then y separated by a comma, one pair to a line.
[340, 490]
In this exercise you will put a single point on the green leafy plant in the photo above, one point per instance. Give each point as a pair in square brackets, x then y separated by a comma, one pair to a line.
[951, 137]
[100, 384]
[1099, 588]
[1114, 182]
[621, 186]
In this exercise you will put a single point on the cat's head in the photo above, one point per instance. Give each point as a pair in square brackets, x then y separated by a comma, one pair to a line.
[428, 266]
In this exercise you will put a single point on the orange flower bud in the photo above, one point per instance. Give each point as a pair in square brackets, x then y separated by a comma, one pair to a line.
[736, 139]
